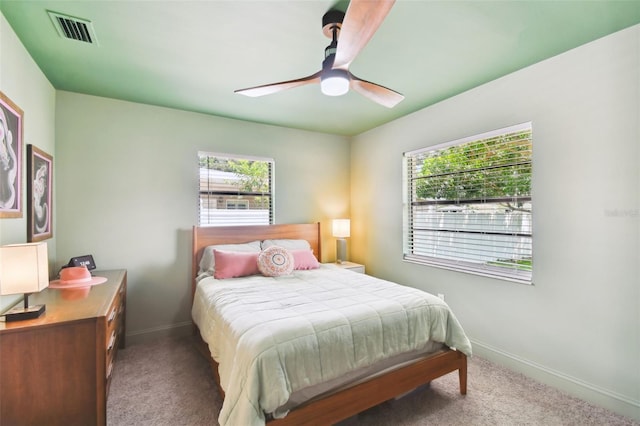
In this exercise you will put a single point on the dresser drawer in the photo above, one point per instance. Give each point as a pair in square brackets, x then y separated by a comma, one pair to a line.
[114, 315]
[115, 321]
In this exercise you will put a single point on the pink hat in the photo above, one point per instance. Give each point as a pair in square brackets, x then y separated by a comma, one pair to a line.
[76, 277]
[75, 293]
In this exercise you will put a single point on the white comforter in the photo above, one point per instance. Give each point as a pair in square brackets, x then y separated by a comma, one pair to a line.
[274, 336]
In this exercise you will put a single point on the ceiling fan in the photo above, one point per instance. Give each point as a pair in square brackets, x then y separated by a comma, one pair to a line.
[349, 33]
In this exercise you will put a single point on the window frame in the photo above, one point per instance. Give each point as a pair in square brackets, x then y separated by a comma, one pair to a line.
[215, 195]
[457, 259]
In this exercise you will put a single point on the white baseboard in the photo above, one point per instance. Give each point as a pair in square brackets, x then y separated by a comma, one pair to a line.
[172, 330]
[594, 394]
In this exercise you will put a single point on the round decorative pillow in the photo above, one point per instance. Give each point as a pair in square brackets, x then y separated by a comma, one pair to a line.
[275, 261]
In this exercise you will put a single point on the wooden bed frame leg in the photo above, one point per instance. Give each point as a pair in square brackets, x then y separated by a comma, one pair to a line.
[462, 374]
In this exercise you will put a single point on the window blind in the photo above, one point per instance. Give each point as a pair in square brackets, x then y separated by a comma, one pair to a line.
[469, 207]
[234, 190]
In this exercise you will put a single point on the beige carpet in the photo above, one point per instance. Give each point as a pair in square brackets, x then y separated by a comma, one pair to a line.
[167, 382]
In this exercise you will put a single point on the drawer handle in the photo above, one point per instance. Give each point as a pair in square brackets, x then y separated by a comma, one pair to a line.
[112, 315]
[112, 340]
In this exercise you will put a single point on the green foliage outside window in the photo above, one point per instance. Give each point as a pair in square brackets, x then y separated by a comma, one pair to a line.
[253, 175]
[496, 168]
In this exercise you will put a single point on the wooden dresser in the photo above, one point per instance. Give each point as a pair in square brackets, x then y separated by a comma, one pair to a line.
[56, 369]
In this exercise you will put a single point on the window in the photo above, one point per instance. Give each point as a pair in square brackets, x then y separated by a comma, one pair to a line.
[468, 205]
[235, 190]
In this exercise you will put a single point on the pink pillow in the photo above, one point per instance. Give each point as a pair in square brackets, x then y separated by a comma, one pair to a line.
[304, 259]
[231, 264]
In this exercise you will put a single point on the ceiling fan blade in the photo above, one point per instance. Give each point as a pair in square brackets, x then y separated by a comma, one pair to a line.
[380, 94]
[361, 21]
[268, 89]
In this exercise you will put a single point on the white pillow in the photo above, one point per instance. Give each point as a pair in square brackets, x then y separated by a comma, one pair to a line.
[288, 244]
[208, 262]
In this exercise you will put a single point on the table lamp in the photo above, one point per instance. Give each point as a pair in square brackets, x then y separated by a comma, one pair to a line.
[24, 268]
[341, 230]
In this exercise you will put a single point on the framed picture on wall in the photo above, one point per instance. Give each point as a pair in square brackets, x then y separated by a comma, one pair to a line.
[10, 158]
[39, 194]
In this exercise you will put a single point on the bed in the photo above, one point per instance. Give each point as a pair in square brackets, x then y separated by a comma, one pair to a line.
[268, 382]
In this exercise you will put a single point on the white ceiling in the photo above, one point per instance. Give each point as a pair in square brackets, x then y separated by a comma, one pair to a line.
[192, 55]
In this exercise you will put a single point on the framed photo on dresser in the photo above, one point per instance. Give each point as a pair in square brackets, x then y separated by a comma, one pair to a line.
[39, 194]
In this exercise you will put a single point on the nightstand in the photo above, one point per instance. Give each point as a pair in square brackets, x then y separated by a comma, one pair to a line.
[355, 267]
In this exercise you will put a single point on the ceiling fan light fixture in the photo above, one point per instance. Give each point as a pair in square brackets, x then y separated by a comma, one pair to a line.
[334, 82]
[349, 33]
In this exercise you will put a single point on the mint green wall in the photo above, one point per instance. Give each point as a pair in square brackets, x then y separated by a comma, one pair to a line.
[128, 194]
[578, 327]
[22, 81]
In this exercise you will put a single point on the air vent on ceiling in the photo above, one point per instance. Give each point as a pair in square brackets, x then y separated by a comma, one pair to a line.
[73, 28]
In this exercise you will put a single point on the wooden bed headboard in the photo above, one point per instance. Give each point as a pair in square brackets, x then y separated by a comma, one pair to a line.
[211, 235]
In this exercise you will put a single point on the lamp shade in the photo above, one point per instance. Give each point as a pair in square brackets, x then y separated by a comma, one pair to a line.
[341, 228]
[24, 268]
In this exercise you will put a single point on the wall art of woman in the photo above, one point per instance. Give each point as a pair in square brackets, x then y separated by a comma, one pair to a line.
[40, 198]
[8, 166]
[10, 158]
[40, 194]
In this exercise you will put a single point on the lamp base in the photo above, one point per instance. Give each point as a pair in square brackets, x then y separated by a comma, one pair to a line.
[341, 250]
[20, 313]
